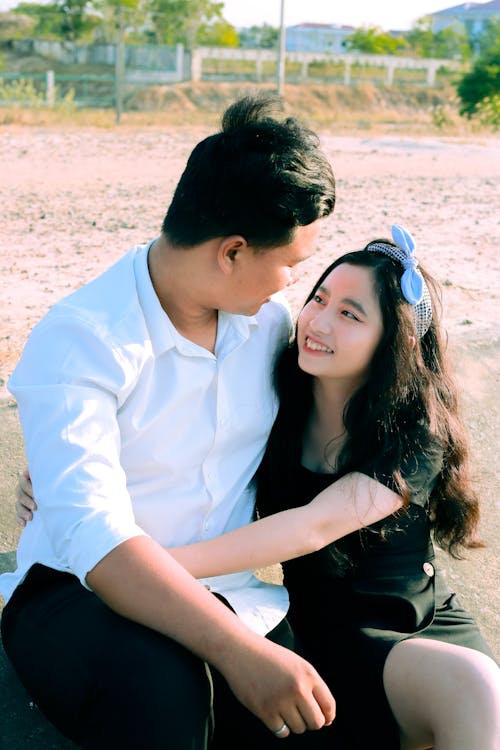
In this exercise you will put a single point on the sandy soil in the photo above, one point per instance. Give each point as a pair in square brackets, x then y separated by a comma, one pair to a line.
[73, 201]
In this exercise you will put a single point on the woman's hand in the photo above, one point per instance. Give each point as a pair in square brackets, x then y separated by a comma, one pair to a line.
[25, 502]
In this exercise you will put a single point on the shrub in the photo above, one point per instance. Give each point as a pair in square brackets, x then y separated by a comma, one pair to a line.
[481, 82]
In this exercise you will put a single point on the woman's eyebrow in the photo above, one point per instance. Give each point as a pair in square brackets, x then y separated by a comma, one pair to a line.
[357, 305]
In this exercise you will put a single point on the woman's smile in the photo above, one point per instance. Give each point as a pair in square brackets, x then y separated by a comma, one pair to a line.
[312, 345]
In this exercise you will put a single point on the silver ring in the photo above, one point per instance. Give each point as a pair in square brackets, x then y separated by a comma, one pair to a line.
[280, 731]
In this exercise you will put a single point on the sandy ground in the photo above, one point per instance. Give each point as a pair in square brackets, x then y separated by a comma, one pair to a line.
[74, 201]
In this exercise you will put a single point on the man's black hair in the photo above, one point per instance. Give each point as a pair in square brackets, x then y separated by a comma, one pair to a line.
[259, 177]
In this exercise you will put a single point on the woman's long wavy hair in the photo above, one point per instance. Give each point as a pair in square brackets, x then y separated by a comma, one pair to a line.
[407, 405]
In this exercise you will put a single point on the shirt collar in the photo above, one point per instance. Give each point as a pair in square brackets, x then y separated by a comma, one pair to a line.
[164, 335]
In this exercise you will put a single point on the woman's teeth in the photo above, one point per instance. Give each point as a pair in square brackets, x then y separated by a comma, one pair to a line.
[317, 347]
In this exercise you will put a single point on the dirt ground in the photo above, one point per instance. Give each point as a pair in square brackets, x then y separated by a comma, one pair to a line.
[73, 201]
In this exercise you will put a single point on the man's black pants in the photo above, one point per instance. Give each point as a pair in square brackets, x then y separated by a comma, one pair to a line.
[107, 682]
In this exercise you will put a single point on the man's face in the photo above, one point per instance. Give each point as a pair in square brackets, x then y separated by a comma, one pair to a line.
[261, 274]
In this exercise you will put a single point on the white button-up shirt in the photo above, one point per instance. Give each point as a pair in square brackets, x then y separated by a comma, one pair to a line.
[132, 429]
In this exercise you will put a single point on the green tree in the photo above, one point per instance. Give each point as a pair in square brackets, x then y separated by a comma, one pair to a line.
[64, 19]
[260, 37]
[448, 43]
[183, 21]
[16, 26]
[482, 82]
[374, 41]
[128, 17]
[490, 38]
[217, 34]
[77, 19]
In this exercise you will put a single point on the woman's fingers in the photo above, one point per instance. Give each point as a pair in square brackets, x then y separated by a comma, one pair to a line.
[24, 482]
[25, 504]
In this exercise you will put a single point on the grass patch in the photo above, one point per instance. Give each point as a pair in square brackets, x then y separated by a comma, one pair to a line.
[336, 109]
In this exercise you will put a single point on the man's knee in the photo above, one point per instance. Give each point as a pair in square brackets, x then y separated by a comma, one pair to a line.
[151, 692]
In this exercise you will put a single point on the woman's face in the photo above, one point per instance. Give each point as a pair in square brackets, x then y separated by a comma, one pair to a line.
[340, 328]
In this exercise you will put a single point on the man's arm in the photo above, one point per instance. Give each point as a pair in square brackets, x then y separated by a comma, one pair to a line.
[68, 407]
[141, 581]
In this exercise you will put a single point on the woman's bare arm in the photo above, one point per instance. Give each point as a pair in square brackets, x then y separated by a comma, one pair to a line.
[349, 504]
[345, 506]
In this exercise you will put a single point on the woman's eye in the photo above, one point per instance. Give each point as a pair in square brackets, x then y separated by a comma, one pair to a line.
[349, 314]
[318, 299]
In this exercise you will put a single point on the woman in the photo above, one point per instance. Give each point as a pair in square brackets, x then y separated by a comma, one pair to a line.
[368, 450]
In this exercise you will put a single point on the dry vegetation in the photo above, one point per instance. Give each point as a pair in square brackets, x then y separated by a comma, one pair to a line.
[336, 109]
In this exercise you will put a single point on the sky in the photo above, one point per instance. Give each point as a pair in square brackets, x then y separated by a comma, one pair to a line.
[387, 14]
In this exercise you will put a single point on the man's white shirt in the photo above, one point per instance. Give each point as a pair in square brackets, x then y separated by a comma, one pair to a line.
[132, 429]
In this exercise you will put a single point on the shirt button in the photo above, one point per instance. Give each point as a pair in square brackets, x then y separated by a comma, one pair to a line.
[428, 569]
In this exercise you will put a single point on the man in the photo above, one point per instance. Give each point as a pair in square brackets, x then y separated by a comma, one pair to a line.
[146, 400]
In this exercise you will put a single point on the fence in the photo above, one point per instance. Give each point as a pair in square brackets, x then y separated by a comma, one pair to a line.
[160, 65]
[308, 67]
[170, 62]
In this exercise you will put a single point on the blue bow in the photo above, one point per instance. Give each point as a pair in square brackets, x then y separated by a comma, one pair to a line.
[412, 282]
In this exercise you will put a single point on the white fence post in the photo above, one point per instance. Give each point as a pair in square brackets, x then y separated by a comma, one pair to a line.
[258, 68]
[390, 73]
[50, 89]
[179, 61]
[347, 72]
[196, 64]
[431, 73]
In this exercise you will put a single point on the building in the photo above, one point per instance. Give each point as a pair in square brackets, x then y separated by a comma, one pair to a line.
[473, 17]
[317, 37]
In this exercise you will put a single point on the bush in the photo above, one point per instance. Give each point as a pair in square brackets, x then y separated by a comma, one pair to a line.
[488, 111]
[482, 82]
[23, 93]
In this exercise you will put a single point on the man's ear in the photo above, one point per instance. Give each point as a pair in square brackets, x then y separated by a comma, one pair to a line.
[229, 251]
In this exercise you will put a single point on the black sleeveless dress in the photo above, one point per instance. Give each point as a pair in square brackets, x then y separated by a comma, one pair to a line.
[352, 601]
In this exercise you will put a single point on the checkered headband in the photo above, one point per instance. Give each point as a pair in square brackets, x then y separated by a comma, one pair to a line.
[413, 286]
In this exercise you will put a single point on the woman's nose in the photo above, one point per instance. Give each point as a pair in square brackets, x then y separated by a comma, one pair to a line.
[320, 324]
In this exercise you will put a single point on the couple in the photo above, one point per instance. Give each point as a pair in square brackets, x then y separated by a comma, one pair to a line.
[147, 400]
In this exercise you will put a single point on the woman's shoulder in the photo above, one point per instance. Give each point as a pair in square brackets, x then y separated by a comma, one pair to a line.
[418, 467]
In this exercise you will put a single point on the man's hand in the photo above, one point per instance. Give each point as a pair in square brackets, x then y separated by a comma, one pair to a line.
[25, 502]
[141, 581]
[279, 687]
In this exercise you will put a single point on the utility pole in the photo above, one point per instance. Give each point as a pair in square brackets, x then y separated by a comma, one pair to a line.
[282, 51]
[119, 66]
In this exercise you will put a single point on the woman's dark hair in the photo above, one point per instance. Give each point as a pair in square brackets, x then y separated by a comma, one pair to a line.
[259, 177]
[407, 406]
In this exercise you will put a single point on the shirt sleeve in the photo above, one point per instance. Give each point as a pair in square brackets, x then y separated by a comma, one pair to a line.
[67, 387]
